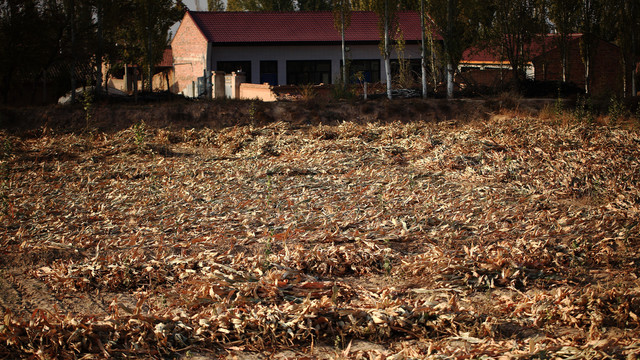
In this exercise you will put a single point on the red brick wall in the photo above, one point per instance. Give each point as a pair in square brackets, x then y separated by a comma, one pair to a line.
[494, 78]
[606, 69]
[189, 53]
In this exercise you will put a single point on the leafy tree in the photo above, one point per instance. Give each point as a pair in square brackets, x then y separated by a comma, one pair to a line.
[409, 5]
[621, 22]
[41, 35]
[234, 5]
[632, 35]
[362, 5]
[18, 41]
[144, 33]
[260, 5]
[314, 5]
[459, 24]
[215, 5]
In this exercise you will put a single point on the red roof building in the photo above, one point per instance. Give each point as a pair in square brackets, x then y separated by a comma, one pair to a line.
[487, 67]
[285, 48]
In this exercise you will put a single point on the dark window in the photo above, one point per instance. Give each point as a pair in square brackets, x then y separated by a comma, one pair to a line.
[370, 70]
[300, 72]
[231, 66]
[269, 72]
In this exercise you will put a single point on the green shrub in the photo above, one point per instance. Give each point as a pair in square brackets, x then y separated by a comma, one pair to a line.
[139, 135]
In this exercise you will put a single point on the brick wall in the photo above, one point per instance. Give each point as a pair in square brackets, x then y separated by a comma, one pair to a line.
[493, 78]
[606, 69]
[189, 53]
[262, 92]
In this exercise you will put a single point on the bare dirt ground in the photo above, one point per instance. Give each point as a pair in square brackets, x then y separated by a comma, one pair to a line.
[375, 231]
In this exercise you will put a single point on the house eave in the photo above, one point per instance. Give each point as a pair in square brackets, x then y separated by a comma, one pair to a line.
[302, 43]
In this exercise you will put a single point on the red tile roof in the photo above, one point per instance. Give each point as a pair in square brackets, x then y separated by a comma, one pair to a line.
[270, 27]
[536, 48]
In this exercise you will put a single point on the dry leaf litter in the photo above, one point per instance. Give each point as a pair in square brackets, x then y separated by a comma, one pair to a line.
[512, 238]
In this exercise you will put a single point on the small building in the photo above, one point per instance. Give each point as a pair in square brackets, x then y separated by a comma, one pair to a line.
[488, 68]
[287, 48]
[481, 67]
[606, 74]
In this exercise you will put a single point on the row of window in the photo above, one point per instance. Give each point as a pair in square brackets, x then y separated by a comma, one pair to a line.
[300, 72]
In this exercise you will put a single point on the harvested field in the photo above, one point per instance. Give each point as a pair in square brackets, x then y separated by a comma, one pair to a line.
[511, 237]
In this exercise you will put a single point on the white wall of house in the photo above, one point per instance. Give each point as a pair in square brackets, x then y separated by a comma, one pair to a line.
[281, 54]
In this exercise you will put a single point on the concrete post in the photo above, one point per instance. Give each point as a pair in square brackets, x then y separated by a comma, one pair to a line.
[218, 84]
[239, 78]
[232, 84]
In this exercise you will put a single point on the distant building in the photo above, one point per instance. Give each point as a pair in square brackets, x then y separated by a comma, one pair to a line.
[290, 48]
[486, 67]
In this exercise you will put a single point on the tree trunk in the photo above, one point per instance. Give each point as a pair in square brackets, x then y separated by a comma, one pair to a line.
[449, 80]
[423, 55]
[99, 54]
[72, 71]
[344, 56]
[150, 61]
[564, 59]
[149, 48]
[634, 89]
[624, 75]
[448, 49]
[44, 86]
[432, 49]
[135, 85]
[387, 63]
[587, 65]
[126, 78]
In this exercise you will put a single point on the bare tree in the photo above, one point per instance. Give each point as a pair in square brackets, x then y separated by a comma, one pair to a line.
[513, 29]
[341, 21]
[386, 10]
[565, 16]
[590, 15]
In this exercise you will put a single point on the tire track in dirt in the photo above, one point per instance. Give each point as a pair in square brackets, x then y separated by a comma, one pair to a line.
[19, 291]
[9, 297]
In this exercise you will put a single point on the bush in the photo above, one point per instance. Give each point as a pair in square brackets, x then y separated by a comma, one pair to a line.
[583, 111]
[308, 92]
[617, 109]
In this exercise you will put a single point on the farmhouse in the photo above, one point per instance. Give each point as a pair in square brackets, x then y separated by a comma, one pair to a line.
[487, 67]
[290, 48]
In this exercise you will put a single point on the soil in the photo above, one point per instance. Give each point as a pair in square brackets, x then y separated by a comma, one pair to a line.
[453, 229]
[181, 113]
